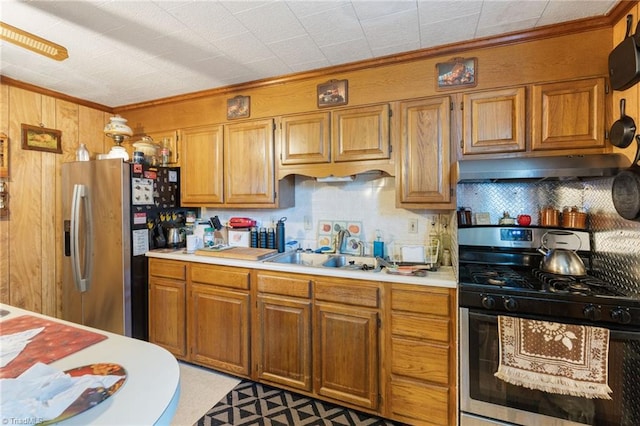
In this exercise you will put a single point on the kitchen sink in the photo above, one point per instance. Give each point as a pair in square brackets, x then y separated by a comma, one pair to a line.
[300, 258]
[325, 260]
[350, 262]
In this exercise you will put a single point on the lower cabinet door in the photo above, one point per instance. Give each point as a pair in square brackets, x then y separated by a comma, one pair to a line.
[415, 402]
[219, 328]
[346, 354]
[167, 316]
[284, 341]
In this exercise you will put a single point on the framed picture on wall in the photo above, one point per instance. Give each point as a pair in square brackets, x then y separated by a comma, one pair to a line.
[38, 138]
[238, 107]
[459, 72]
[332, 93]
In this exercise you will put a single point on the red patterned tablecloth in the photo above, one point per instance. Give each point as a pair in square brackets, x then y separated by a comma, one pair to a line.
[56, 341]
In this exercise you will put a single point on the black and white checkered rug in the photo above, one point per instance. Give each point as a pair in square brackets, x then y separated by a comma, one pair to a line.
[255, 404]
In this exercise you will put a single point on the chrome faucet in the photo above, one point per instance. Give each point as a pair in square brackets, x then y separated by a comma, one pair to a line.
[339, 240]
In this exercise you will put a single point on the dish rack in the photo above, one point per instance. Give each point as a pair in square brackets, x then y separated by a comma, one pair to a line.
[433, 249]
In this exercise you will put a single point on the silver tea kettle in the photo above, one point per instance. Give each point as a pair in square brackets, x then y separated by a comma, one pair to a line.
[561, 261]
[175, 236]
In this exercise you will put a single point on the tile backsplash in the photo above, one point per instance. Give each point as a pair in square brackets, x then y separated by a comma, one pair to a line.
[370, 201]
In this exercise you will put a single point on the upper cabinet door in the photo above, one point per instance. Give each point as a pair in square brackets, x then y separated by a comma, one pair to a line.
[201, 179]
[494, 121]
[361, 133]
[249, 162]
[423, 175]
[568, 115]
[306, 138]
[168, 139]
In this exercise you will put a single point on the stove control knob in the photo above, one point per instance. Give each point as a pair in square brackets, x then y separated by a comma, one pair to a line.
[510, 304]
[592, 312]
[488, 302]
[621, 315]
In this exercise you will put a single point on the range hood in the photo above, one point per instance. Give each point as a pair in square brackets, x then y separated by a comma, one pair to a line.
[566, 167]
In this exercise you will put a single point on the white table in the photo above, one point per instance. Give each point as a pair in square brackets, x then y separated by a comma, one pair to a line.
[150, 394]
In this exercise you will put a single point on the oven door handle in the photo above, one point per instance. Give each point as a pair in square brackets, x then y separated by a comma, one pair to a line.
[484, 317]
[614, 333]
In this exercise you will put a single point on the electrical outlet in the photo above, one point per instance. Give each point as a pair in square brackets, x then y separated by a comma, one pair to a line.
[413, 226]
[307, 223]
[444, 220]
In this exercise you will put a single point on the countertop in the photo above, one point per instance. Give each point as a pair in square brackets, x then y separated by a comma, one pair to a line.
[443, 277]
[150, 393]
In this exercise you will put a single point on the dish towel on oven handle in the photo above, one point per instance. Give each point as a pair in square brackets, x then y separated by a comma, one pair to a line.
[553, 357]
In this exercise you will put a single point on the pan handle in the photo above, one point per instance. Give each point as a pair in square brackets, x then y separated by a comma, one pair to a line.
[635, 162]
[629, 23]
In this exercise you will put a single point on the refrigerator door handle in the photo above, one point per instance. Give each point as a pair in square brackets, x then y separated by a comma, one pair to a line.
[79, 200]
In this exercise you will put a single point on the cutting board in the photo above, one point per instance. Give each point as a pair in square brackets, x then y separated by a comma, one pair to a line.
[244, 253]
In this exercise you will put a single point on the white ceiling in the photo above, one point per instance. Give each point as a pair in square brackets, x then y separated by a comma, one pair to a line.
[124, 52]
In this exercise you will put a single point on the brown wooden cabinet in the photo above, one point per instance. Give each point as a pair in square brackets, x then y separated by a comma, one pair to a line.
[232, 166]
[168, 139]
[493, 121]
[423, 178]
[361, 133]
[568, 115]
[201, 180]
[306, 138]
[249, 174]
[167, 305]
[346, 346]
[340, 142]
[380, 347]
[282, 340]
[421, 363]
[218, 321]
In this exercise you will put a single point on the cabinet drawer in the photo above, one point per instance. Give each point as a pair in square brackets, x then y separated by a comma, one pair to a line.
[431, 302]
[220, 276]
[418, 327]
[420, 360]
[284, 285]
[351, 293]
[167, 269]
[416, 403]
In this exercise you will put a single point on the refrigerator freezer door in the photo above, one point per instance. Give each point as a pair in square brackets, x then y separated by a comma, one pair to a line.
[106, 303]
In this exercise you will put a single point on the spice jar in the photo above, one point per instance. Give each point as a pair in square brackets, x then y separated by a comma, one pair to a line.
[572, 217]
[464, 216]
[549, 216]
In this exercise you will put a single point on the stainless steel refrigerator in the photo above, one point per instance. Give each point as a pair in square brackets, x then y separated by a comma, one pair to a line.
[109, 207]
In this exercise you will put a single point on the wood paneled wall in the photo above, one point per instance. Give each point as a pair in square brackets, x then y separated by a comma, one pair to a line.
[31, 238]
[632, 95]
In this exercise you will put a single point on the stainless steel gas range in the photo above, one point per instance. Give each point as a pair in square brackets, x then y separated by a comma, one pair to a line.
[500, 275]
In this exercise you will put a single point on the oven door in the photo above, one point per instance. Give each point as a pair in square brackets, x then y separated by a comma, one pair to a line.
[487, 400]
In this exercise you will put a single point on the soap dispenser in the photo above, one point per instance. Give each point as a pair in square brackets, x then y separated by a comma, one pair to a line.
[378, 245]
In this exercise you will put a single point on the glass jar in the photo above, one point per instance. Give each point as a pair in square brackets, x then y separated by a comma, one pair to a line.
[207, 239]
[446, 257]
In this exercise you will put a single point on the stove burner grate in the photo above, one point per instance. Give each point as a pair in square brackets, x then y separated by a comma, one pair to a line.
[570, 284]
[501, 276]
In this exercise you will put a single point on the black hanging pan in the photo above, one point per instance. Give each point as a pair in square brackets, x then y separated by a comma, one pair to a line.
[626, 190]
[623, 129]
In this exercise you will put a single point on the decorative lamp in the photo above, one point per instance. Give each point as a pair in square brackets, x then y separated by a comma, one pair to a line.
[118, 130]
